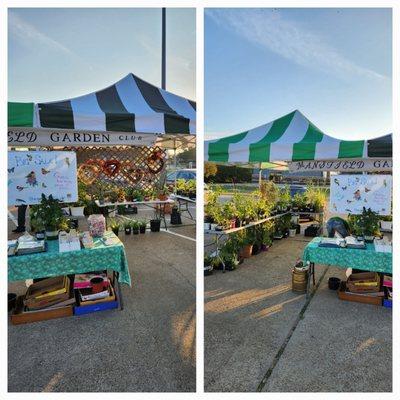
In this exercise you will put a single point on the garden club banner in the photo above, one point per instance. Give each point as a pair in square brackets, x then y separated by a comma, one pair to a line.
[63, 137]
[350, 193]
[31, 173]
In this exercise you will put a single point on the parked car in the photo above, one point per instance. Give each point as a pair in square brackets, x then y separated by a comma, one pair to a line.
[185, 174]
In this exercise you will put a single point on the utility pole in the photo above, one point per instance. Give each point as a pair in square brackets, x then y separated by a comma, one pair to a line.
[163, 53]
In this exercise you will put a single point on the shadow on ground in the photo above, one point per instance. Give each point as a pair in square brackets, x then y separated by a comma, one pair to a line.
[249, 313]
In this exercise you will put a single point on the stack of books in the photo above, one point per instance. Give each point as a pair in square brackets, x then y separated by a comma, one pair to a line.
[49, 293]
[87, 297]
[30, 247]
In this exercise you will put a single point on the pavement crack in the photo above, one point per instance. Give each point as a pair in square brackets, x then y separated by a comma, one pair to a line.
[281, 350]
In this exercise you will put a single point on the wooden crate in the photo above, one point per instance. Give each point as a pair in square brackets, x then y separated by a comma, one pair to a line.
[364, 298]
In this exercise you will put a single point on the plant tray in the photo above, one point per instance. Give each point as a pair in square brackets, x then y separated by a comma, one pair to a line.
[358, 298]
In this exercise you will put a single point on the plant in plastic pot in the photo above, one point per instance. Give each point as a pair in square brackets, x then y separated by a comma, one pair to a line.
[135, 227]
[114, 225]
[77, 209]
[129, 194]
[127, 227]
[142, 226]
[248, 242]
[292, 230]
[50, 213]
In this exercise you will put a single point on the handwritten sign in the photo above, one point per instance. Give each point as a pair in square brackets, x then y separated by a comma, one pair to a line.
[350, 193]
[31, 173]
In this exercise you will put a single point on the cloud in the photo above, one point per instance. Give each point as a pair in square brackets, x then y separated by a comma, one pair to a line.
[268, 29]
[27, 33]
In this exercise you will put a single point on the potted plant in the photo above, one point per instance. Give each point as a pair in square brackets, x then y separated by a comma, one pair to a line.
[113, 196]
[77, 208]
[127, 227]
[292, 230]
[114, 225]
[142, 226]
[37, 226]
[385, 223]
[370, 222]
[191, 188]
[137, 195]
[162, 194]
[129, 194]
[135, 227]
[50, 214]
[248, 242]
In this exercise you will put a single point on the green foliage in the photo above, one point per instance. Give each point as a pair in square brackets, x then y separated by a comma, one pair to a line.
[210, 170]
[229, 174]
[316, 196]
[366, 224]
[48, 214]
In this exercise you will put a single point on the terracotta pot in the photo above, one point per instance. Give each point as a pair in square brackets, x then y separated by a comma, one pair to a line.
[247, 250]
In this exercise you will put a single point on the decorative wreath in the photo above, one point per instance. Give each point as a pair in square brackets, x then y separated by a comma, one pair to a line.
[132, 174]
[155, 162]
[111, 167]
[88, 173]
[96, 161]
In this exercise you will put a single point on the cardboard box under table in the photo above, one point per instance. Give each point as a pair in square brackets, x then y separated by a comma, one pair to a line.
[367, 259]
[53, 263]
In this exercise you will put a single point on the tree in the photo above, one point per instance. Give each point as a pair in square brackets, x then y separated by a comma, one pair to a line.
[210, 169]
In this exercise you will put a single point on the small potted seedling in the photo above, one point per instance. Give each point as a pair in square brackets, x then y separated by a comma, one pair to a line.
[135, 227]
[292, 230]
[114, 225]
[142, 226]
[127, 227]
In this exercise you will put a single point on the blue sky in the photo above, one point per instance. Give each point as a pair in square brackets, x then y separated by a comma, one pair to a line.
[334, 65]
[61, 53]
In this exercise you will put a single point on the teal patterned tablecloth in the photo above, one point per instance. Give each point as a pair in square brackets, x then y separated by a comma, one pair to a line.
[54, 263]
[367, 260]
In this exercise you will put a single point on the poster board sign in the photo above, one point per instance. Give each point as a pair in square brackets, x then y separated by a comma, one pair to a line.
[350, 193]
[31, 173]
[349, 165]
[30, 137]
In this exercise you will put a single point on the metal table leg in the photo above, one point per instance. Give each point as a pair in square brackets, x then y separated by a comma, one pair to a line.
[117, 287]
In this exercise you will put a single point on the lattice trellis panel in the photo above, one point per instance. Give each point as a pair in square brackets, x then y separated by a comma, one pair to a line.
[139, 167]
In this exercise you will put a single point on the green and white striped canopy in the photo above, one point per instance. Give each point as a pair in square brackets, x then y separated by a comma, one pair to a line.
[289, 138]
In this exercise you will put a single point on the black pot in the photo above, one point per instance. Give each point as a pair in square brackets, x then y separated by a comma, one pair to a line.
[237, 222]
[135, 231]
[128, 231]
[155, 225]
[176, 217]
[256, 249]
[142, 229]
[12, 301]
[333, 283]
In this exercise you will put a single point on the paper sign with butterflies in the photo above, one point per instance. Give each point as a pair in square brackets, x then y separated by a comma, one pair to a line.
[31, 173]
[350, 193]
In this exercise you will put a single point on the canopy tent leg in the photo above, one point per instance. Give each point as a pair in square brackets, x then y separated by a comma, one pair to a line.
[260, 177]
[175, 167]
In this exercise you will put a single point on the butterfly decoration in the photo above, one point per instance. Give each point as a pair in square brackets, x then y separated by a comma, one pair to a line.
[20, 188]
[349, 201]
[20, 200]
[357, 195]
[357, 180]
[9, 182]
[69, 195]
[67, 161]
[336, 181]
[44, 185]
[45, 171]
[11, 170]
[367, 190]
[29, 157]
[348, 209]
[31, 179]
[344, 187]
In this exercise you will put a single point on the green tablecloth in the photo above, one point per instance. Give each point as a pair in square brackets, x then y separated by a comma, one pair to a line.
[53, 263]
[367, 260]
